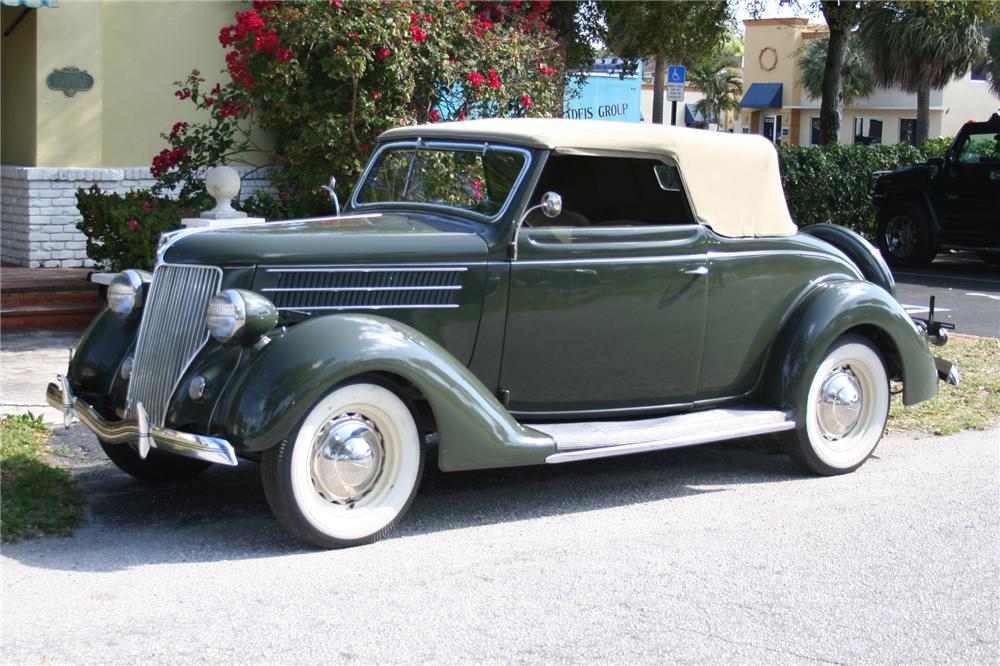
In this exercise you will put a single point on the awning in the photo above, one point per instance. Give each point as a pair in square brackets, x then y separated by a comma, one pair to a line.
[762, 96]
[31, 4]
[693, 117]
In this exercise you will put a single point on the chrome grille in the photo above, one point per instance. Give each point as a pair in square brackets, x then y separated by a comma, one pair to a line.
[171, 333]
[312, 289]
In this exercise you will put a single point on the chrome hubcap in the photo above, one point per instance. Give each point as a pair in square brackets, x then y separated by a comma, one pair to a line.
[900, 236]
[347, 455]
[839, 403]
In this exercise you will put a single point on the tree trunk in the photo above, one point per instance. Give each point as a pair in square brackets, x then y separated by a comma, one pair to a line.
[659, 74]
[832, 101]
[923, 112]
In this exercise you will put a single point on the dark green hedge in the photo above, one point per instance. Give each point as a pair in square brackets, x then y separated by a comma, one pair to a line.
[834, 183]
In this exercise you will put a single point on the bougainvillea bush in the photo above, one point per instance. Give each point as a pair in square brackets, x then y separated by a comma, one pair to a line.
[326, 78]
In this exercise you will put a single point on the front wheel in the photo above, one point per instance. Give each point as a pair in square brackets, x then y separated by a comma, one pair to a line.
[156, 467]
[347, 474]
[846, 408]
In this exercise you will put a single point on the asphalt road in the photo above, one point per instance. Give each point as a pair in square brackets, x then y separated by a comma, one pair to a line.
[967, 292]
[708, 555]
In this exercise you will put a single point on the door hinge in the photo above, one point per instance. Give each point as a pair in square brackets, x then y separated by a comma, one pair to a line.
[504, 396]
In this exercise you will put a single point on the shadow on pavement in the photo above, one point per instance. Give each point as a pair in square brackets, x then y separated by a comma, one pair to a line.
[223, 514]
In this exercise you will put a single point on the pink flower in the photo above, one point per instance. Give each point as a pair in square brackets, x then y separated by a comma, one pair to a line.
[147, 207]
[133, 224]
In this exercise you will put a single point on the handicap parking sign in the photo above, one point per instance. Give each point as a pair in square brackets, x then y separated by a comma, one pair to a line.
[676, 73]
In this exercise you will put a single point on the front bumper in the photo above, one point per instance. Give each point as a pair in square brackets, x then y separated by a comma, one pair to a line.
[201, 447]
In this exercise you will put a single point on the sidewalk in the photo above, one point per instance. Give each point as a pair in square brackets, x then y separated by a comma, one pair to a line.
[29, 360]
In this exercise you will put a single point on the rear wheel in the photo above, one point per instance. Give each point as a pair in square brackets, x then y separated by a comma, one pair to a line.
[348, 473]
[904, 236]
[157, 467]
[846, 408]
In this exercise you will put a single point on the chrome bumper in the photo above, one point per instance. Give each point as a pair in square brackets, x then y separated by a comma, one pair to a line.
[201, 447]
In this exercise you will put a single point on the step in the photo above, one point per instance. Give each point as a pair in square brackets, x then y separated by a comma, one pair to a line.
[603, 439]
[28, 298]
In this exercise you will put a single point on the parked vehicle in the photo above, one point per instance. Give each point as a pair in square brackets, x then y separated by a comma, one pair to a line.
[947, 203]
[500, 293]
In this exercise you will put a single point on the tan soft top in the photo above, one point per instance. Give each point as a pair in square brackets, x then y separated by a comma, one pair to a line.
[732, 180]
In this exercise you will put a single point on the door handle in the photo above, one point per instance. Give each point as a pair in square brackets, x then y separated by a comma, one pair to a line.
[700, 270]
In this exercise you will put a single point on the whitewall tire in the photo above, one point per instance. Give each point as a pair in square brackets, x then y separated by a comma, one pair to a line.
[347, 474]
[846, 407]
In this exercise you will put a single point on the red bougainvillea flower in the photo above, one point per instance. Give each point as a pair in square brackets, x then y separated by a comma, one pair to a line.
[383, 53]
[133, 224]
[526, 101]
[184, 93]
[414, 17]
[217, 89]
[476, 186]
[376, 94]
[336, 4]
[283, 195]
[282, 54]
[147, 207]
[167, 159]
[547, 70]
[418, 34]
[460, 116]
[494, 79]
[178, 129]
[434, 115]
[475, 78]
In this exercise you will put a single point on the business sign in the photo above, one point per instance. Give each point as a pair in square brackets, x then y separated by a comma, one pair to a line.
[606, 95]
[69, 81]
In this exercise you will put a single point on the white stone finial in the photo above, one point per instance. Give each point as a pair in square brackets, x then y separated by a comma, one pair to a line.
[222, 183]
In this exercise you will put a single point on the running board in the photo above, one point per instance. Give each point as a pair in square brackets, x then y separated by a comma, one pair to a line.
[603, 439]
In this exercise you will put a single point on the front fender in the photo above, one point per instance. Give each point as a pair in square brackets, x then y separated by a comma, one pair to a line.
[269, 396]
[831, 310]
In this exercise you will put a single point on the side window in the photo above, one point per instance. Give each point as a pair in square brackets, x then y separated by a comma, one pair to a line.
[613, 191]
[980, 148]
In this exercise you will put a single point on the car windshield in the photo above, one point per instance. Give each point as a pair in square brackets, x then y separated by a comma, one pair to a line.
[477, 179]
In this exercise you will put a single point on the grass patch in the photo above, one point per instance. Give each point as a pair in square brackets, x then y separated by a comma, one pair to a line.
[36, 497]
[975, 405]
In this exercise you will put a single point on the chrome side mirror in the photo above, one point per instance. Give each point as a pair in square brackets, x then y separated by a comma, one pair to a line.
[331, 189]
[551, 206]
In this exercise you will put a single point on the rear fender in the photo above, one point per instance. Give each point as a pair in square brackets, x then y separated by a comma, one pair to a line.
[270, 395]
[834, 309]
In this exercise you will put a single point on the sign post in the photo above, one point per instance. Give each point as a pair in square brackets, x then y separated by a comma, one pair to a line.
[676, 76]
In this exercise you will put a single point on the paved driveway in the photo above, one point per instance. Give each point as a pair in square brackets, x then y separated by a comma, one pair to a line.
[708, 554]
[967, 292]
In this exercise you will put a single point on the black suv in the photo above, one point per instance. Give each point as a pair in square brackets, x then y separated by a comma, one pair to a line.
[947, 203]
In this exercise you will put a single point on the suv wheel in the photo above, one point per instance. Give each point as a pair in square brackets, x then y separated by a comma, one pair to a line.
[904, 236]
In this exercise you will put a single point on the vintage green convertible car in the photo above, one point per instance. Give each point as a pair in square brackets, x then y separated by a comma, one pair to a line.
[500, 293]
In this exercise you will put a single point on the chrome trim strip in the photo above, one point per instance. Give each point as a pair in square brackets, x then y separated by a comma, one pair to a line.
[708, 256]
[369, 307]
[201, 447]
[702, 438]
[452, 287]
[472, 146]
[422, 268]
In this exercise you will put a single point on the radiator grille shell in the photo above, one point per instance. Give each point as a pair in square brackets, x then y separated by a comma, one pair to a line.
[171, 334]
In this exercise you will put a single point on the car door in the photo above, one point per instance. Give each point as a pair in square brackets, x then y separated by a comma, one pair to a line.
[605, 319]
[969, 195]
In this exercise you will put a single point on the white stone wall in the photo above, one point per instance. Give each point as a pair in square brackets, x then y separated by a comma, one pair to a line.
[38, 213]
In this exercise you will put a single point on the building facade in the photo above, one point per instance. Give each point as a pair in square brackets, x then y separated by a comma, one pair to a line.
[775, 104]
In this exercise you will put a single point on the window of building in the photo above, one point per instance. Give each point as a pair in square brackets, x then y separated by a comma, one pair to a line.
[979, 72]
[867, 130]
[814, 131]
[908, 131]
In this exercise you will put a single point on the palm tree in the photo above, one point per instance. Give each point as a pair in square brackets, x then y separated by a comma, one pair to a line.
[919, 46]
[858, 81]
[993, 60]
[720, 86]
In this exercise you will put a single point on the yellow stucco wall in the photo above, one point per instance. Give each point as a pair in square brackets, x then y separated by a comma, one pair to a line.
[134, 49]
[147, 46]
[17, 89]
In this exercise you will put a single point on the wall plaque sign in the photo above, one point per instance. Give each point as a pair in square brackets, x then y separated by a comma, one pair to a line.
[70, 80]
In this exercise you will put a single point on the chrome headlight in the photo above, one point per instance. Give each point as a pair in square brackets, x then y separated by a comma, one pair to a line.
[127, 292]
[236, 315]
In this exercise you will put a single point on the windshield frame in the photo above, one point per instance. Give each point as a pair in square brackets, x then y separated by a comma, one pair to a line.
[466, 146]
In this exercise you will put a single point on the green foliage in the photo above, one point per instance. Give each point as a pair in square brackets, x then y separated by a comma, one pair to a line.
[682, 31]
[325, 79]
[993, 60]
[858, 80]
[38, 498]
[720, 86]
[834, 183]
[122, 230]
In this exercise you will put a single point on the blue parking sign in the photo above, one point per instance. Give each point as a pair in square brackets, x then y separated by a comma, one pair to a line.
[676, 73]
